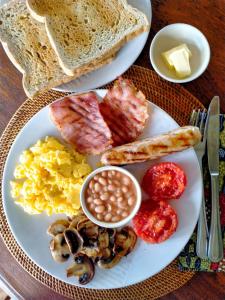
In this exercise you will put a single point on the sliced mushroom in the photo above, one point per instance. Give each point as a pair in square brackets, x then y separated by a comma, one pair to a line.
[103, 239]
[59, 248]
[77, 219]
[88, 229]
[125, 241]
[57, 227]
[109, 262]
[92, 252]
[83, 268]
[112, 234]
[79, 214]
[106, 253]
[74, 240]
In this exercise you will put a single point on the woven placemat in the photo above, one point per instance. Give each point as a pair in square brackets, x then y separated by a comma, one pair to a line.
[178, 103]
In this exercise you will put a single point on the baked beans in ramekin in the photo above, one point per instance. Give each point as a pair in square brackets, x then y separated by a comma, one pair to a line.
[110, 196]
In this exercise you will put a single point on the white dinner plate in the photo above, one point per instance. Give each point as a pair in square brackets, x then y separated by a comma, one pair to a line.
[147, 259]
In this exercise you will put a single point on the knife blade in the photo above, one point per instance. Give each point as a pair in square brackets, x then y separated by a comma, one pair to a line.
[215, 249]
[213, 136]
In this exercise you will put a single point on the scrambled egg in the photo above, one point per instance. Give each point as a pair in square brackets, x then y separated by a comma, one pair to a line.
[49, 178]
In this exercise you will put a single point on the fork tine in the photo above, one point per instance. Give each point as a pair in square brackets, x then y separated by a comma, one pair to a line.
[197, 117]
[202, 122]
[206, 125]
[193, 118]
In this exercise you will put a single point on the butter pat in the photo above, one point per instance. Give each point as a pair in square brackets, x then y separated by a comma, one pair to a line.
[178, 59]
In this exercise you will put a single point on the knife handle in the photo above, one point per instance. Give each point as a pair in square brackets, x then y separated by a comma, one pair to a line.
[215, 250]
[202, 231]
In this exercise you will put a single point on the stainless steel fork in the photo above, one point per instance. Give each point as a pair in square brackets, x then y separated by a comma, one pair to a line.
[198, 119]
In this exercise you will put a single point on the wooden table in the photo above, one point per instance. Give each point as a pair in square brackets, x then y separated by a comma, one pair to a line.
[209, 17]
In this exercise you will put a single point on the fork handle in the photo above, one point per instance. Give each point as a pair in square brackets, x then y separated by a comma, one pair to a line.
[202, 231]
[215, 250]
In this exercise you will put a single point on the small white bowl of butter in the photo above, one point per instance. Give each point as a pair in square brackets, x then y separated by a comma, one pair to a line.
[179, 53]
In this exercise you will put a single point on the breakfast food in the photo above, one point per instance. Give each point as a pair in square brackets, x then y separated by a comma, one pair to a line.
[178, 59]
[27, 45]
[91, 127]
[89, 244]
[81, 31]
[110, 196]
[154, 147]
[164, 181]
[125, 110]
[49, 178]
[155, 222]
[81, 124]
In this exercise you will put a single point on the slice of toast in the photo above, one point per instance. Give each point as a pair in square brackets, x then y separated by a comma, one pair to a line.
[26, 43]
[81, 31]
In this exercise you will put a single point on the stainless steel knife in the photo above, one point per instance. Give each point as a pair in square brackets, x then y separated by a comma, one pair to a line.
[215, 247]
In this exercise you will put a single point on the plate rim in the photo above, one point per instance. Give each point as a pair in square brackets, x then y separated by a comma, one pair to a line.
[8, 219]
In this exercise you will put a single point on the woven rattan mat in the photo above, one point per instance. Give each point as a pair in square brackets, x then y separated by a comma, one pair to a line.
[178, 103]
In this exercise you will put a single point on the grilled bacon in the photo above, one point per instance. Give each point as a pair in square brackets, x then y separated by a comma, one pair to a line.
[125, 110]
[81, 124]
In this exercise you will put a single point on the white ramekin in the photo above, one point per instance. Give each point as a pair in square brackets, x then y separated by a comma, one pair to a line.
[173, 35]
[108, 224]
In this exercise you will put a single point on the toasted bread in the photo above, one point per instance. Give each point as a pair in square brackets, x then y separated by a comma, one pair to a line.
[82, 31]
[26, 43]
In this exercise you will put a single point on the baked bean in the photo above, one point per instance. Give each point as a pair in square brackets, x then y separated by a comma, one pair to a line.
[104, 174]
[118, 175]
[112, 198]
[122, 204]
[119, 211]
[118, 193]
[110, 174]
[116, 182]
[111, 188]
[99, 209]
[108, 217]
[131, 201]
[115, 218]
[105, 188]
[109, 181]
[125, 214]
[99, 217]
[109, 207]
[97, 187]
[113, 173]
[120, 199]
[104, 196]
[89, 199]
[126, 180]
[124, 189]
[91, 184]
[102, 181]
[98, 202]
[92, 207]
[96, 177]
